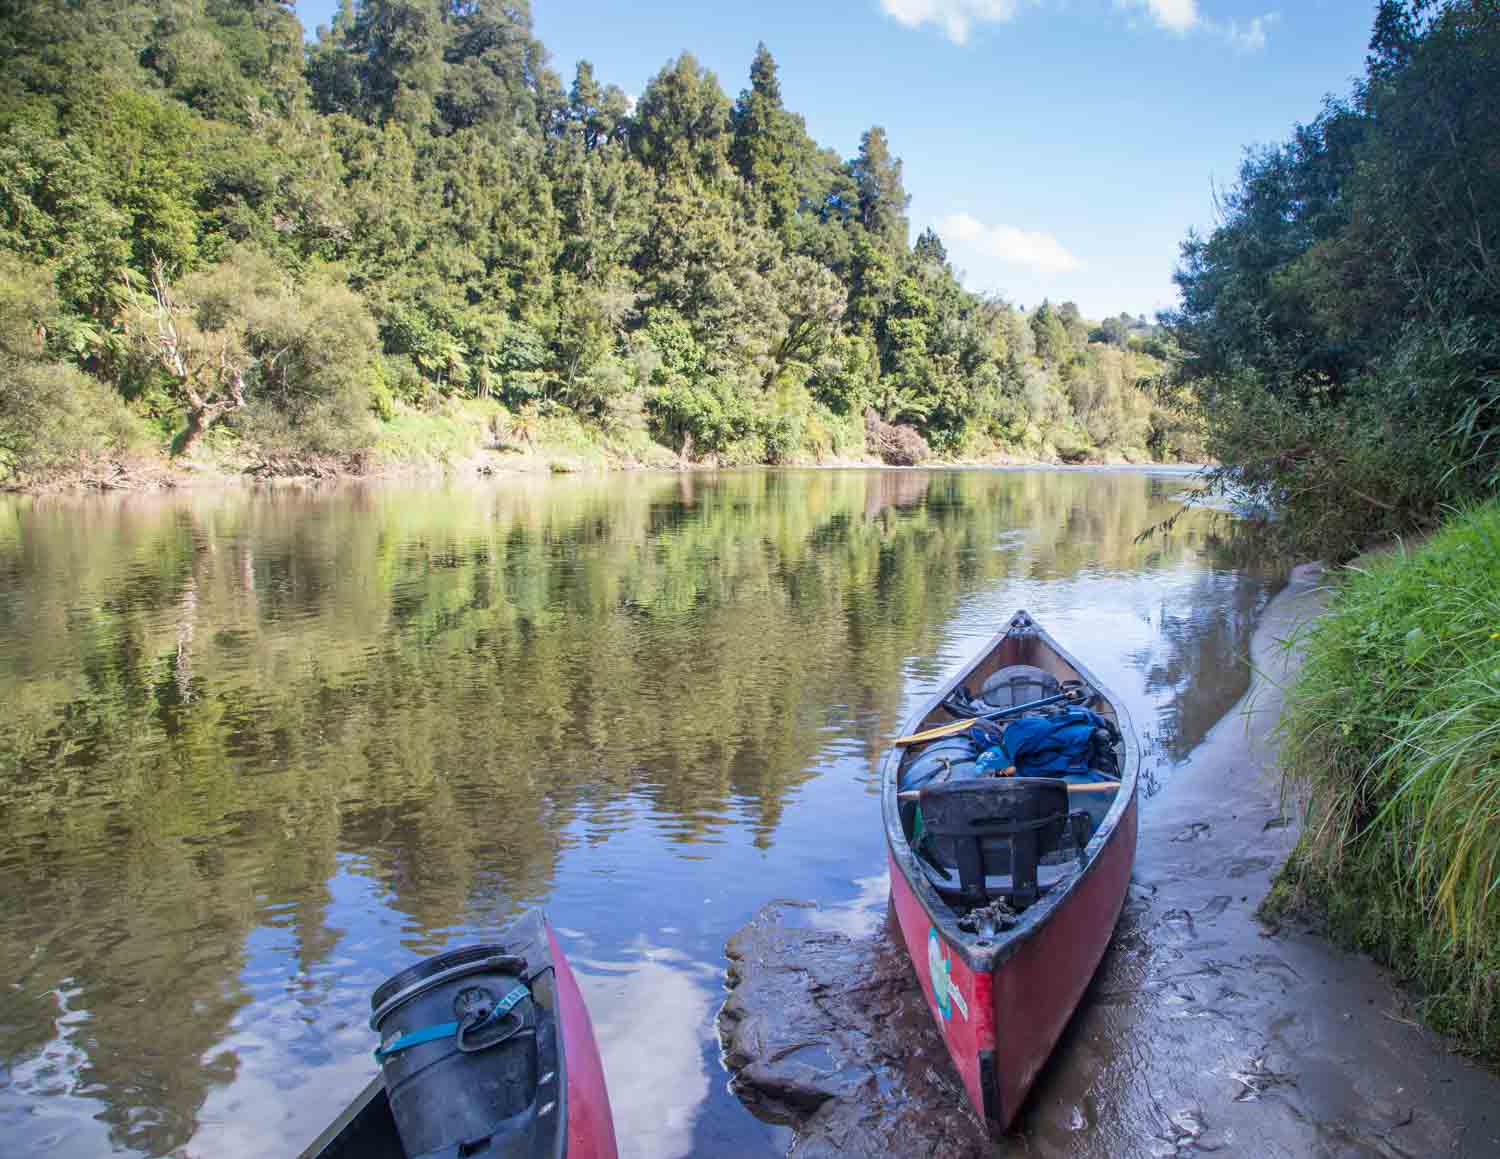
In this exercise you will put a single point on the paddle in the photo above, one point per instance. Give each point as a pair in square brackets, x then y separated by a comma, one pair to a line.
[964, 725]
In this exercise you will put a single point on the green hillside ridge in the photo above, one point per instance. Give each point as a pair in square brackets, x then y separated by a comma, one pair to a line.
[406, 241]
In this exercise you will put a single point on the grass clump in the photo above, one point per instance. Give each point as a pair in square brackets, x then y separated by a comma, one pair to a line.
[443, 436]
[1393, 733]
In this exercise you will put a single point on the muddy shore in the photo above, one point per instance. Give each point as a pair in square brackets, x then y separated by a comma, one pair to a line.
[149, 475]
[1205, 1031]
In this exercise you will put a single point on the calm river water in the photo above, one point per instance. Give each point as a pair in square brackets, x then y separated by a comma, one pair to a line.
[258, 750]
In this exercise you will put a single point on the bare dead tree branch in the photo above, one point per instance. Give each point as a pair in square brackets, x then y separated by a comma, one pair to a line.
[207, 366]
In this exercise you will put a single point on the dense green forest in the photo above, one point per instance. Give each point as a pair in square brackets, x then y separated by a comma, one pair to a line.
[222, 238]
[1341, 326]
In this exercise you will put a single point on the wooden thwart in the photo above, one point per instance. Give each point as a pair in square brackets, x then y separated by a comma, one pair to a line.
[1091, 787]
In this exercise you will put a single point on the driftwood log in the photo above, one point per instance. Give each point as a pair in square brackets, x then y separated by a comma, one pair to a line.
[897, 445]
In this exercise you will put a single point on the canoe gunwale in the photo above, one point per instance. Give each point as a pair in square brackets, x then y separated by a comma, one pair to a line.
[987, 959]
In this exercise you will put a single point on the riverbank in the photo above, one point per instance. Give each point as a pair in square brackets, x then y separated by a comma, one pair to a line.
[1204, 1030]
[1393, 746]
[158, 473]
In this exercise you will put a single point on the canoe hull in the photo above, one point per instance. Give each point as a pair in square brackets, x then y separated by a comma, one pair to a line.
[1002, 1005]
[1001, 1026]
[1036, 991]
[591, 1125]
[959, 998]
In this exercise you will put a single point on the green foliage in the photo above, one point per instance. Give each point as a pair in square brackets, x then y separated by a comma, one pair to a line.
[316, 344]
[690, 409]
[1051, 335]
[445, 433]
[53, 417]
[681, 123]
[882, 199]
[769, 143]
[55, 207]
[241, 342]
[1338, 329]
[1393, 731]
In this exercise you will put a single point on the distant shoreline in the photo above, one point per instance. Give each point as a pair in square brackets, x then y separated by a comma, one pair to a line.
[157, 477]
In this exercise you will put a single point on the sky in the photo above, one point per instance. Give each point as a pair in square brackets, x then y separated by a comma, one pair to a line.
[1062, 149]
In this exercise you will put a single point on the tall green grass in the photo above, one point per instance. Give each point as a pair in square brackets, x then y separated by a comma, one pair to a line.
[1393, 732]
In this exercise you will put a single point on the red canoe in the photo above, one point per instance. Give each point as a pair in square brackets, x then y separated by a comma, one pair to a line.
[1009, 898]
[568, 1116]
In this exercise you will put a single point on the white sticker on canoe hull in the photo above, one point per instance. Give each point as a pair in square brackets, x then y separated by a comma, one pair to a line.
[959, 1001]
[945, 991]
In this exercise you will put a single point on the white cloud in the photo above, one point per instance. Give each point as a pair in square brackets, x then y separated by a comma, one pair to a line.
[1039, 252]
[1250, 37]
[957, 18]
[1179, 16]
[954, 17]
[1182, 16]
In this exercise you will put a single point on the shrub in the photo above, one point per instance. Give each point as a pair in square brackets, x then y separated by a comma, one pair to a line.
[1388, 455]
[51, 413]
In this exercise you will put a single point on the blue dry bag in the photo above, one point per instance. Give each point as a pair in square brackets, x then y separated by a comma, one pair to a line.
[1060, 744]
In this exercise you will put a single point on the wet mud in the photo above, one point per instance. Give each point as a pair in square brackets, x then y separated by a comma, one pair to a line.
[1204, 1032]
[828, 1034]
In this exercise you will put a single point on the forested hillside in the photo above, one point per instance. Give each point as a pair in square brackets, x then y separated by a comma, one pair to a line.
[227, 241]
[1341, 326]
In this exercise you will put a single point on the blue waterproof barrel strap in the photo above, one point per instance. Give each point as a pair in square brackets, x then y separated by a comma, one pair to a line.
[444, 1029]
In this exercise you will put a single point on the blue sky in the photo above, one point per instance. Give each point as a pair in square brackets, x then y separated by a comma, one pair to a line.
[1062, 148]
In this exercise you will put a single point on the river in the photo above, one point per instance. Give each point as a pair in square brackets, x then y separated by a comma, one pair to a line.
[261, 748]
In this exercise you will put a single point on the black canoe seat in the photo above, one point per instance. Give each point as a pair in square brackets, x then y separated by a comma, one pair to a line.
[988, 838]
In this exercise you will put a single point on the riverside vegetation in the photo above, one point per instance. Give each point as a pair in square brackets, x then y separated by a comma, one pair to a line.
[407, 237]
[1393, 728]
[1341, 327]
[1341, 330]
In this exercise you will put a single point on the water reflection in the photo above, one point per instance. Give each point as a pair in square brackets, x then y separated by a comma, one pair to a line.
[651, 1012]
[259, 749]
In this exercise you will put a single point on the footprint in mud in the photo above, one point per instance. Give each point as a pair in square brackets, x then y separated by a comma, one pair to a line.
[1244, 865]
[1178, 922]
[1273, 966]
[1255, 1078]
[1193, 831]
[1216, 905]
[1181, 1134]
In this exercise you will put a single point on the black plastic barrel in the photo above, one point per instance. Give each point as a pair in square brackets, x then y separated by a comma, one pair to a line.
[951, 758]
[480, 1077]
